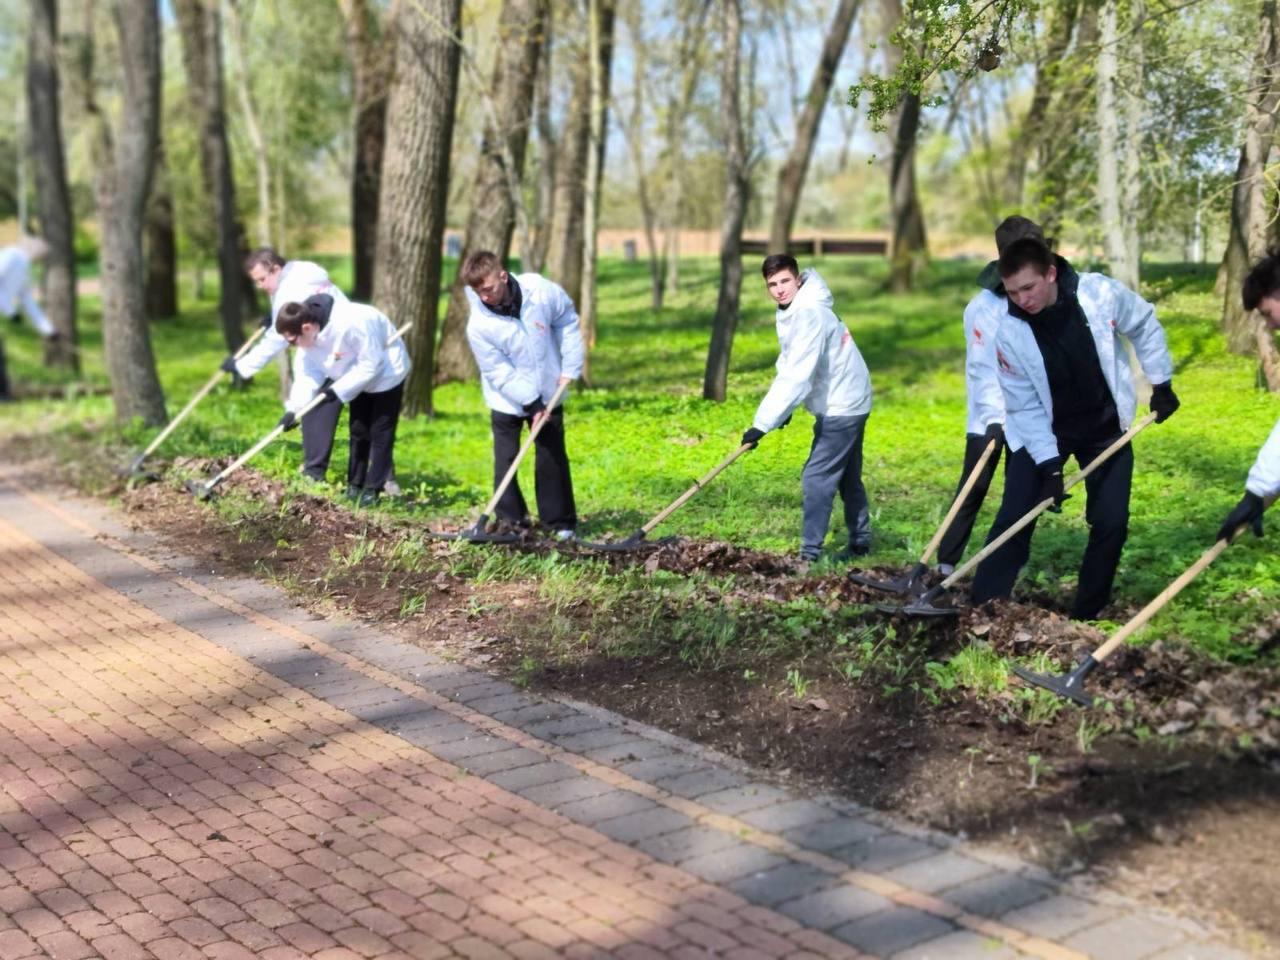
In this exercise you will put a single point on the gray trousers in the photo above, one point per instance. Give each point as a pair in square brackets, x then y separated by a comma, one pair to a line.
[835, 464]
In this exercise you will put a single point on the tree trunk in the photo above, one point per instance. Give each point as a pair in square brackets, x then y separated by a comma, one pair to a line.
[161, 245]
[600, 17]
[493, 211]
[715, 381]
[1110, 213]
[253, 126]
[1062, 22]
[57, 223]
[634, 131]
[795, 168]
[370, 68]
[123, 160]
[1134, 118]
[415, 180]
[200, 30]
[546, 187]
[908, 247]
[1247, 240]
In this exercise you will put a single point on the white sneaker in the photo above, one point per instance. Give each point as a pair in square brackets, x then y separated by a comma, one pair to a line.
[391, 488]
[565, 535]
[946, 569]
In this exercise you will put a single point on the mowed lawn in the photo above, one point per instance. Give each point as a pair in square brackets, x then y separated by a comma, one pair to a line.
[642, 432]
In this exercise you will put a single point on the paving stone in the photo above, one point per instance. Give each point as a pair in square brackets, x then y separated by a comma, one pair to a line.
[784, 882]
[520, 778]
[787, 815]
[996, 893]
[661, 768]
[627, 752]
[961, 945]
[431, 734]
[884, 852]
[491, 706]
[833, 834]
[482, 691]
[407, 713]
[695, 841]
[360, 700]
[615, 803]
[829, 908]
[491, 763]
[1057, 916]
[885, 933]
[561, 792]
[577, 723]
[1200, 951]
[1127, 937]
[702, 781]
[594, 739]
[738, 800]
[459, 751]
[523, 717]
[938, 872]
[732, 863]
[645, 823]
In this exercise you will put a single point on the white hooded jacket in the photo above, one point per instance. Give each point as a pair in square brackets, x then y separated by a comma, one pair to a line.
[299, 279]
[521, 359]
[1112, 310]
[985, 401]
[819, 364]
[350, 350]
[15, 289]
[1264, 477]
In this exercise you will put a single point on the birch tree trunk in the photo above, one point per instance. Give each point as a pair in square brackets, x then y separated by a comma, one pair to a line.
[909, 245]
[415, 181]
[600, 56]
[370, 69]
[53, 197]
[123, 160]
[1134, 121]
[544, 201]
[716, 379]
[200, 30]
[492, 220]
[253, 126]
[1115, 244]
[795, 168]
[161, 245]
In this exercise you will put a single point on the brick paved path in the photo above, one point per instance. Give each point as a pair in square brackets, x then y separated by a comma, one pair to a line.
[190, 767]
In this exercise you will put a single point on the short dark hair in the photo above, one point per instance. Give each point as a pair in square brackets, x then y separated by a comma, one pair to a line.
[292, 316]
[479, 266]
[263, 257]
[1263, 280]
[779, 261]
[1027, 252]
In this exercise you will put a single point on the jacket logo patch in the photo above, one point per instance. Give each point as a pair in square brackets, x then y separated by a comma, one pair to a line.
[1004, 363]
[846, 339]
[977, 336]
[542, 327]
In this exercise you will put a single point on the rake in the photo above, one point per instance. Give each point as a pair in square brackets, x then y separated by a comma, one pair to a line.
[923, 605]
[204, 490]
[476, 533]
[134, 471]
[910, 582]
[1071, 685]
[638, 540]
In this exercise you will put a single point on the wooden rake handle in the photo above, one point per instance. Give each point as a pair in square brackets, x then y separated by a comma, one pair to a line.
[200, 395]
[1044, 505]
[1140, 619]
[515, 464]
[969, 484]
[277, 430]
[698, 484]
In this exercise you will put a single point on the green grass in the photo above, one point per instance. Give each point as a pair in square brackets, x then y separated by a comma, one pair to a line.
[643, 433]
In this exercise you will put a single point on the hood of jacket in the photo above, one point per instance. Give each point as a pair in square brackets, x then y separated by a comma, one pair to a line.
[813, 292]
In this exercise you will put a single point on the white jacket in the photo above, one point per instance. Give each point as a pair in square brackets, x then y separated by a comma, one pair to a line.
[985, 400]
[1112, 310]
[299, 279]
[351, 350]
[15, 289]
[1264, 477]
[819, 364]
[522, 359]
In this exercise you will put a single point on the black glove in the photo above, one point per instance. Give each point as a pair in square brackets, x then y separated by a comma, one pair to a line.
[784, 423]
[1248, 510]
[328, 394]
[266, 321]
[752, 437]
[994, 431]
[288, 421]
[53, 337]
[1163, 401]
[1051, 484]
[535, 408]
[228, 365]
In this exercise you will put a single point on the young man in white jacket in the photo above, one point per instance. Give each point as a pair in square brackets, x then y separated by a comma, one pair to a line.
[1261, 293]
[15, 293]
[343, 353]
[985, 401]
[818, 366]
[291, 282]
[1068, 391]
[525, 335]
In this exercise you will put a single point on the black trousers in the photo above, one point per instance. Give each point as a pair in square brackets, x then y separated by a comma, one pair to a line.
[4, 374]
[372, 422]
[957, 536]
[1106, 510]
[553, 486]
[318, 428]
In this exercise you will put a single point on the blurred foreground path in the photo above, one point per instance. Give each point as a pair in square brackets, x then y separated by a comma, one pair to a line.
[191, 766]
